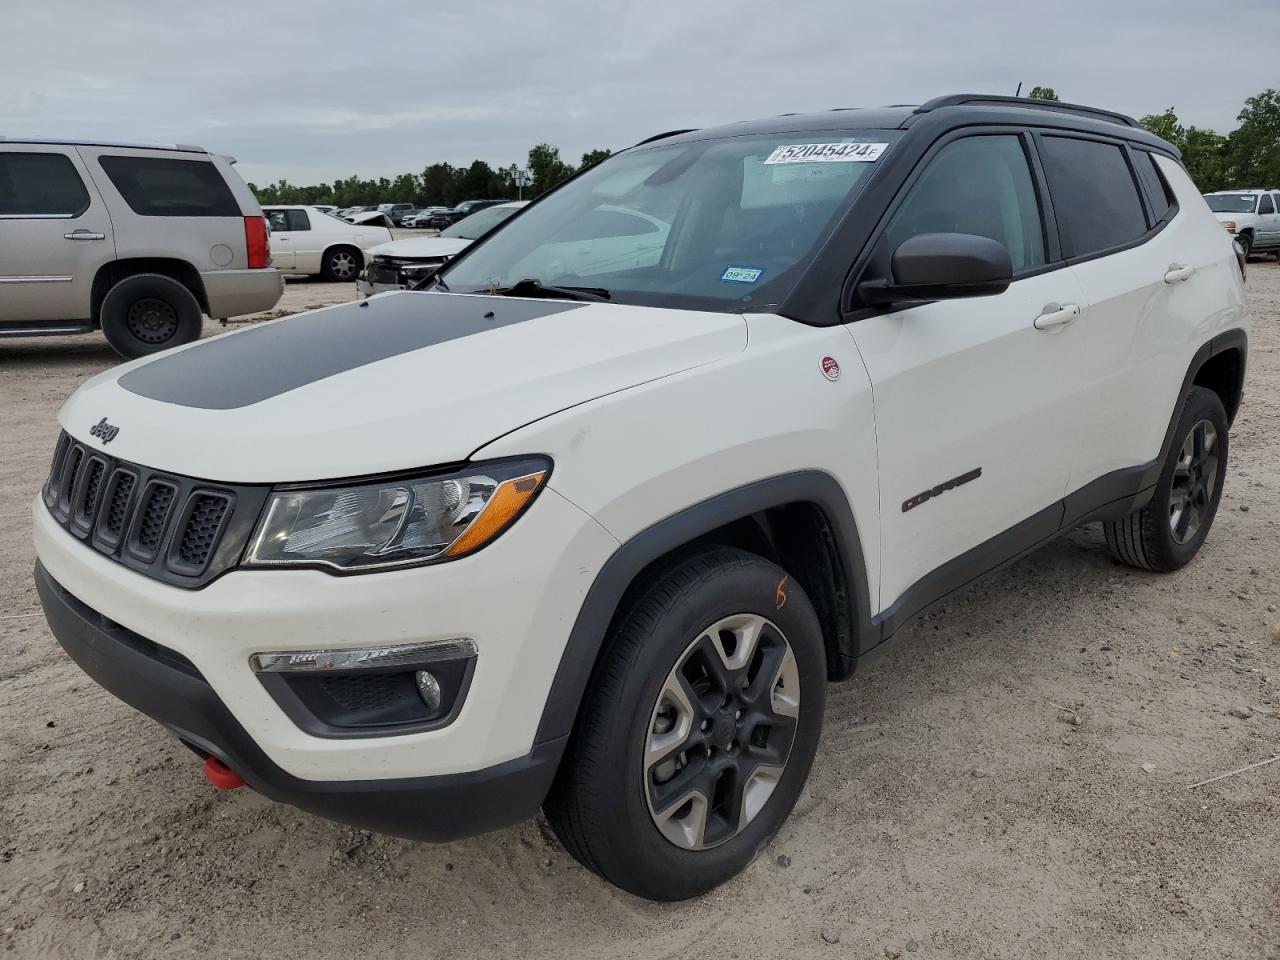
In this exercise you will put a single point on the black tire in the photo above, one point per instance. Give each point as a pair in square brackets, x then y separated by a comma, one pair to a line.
[1162, 536]
[341, 264]
[147, 313]
[599, 805]
[1246, 244]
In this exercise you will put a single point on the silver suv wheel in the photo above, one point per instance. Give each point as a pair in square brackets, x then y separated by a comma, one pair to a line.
[720, 734]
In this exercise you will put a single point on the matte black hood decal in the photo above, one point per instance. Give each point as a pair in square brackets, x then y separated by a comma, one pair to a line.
[272, 359]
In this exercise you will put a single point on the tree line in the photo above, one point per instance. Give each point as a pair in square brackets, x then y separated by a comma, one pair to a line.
[440, 184]
[1248, 156]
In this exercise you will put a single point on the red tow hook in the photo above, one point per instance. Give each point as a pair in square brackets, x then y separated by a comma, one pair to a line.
[220, 775]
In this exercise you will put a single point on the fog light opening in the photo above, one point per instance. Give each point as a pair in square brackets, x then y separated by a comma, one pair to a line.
[428, 689]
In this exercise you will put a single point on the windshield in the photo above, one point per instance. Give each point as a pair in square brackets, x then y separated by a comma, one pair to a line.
[723, 224]
[478, 224]
[1232, 202]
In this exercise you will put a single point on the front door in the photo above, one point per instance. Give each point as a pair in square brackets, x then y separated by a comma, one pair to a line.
[54, 234]
[973, 397]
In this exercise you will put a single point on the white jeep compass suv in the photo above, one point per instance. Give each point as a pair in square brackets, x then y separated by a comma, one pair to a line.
[593, 536]
[133, 239]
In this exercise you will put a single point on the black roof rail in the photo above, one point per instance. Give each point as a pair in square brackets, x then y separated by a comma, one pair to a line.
[975, 99]
[663, 136]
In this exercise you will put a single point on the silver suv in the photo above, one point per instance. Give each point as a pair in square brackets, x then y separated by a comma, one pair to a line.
[135, 240]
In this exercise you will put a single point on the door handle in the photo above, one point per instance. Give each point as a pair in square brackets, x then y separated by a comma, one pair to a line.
[83, 235]
[1057, 315]
[1177, 274]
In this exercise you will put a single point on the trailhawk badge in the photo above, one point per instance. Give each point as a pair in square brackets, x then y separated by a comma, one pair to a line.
[830, 369]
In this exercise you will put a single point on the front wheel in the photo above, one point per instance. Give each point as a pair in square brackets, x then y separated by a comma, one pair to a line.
[698, 730]
[1246, 244]
[1166, 533]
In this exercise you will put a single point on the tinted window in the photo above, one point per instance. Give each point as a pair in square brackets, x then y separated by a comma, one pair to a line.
[40, 184]
[297, 219]
[1094, 195]
[982, 186]
[1153, 181]
[1267, 205]
[161, 187]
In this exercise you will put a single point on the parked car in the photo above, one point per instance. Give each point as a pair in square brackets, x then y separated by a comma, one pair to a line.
[326, 208]
[136, 241]
[422, 218]
[374, 218]
[401, 264]
[1251, 216]
[350, 212]
[882, 352]
[397, 211]
[306, 241]
[445, 218]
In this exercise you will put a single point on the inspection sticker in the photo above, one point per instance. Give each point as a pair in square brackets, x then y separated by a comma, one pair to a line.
[742, 274]
[827, 153]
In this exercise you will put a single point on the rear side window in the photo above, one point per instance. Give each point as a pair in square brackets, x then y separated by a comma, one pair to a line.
[164, 187]
[1153, 181]
[1094, 195]
[1267, 205]
[40, 185]
[982, 186]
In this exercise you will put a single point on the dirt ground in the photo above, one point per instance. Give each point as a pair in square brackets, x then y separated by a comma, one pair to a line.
[954, 809]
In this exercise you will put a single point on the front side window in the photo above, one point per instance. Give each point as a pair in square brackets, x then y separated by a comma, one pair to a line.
[297, 220]
[1266, 205]
[980, 186]
[1232, 202]
[1094, 194]
[723, 224]
[165, 187]
[40, 185]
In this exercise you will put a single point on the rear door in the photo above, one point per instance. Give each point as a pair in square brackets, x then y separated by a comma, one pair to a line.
[55, 233]
[1146, 274]
[283, 254]
[974, 405]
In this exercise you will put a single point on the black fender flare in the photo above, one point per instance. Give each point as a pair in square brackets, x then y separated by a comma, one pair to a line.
[587, 636]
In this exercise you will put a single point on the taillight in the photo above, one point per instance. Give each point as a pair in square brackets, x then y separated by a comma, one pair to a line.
[255, 239]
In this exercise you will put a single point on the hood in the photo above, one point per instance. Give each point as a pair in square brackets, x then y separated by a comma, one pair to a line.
[396, 382]
[423, 247]
[1234, 217]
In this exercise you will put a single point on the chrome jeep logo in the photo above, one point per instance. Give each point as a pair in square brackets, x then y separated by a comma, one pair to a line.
[104, 431]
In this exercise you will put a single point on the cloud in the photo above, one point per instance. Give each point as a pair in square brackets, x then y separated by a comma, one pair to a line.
[337, 88]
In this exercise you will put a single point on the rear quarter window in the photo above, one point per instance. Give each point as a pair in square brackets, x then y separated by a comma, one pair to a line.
[40, 185]
[1094, 194]
[166, 187]
[1158, 193]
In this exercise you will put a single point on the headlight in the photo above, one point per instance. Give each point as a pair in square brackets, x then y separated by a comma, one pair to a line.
[395, 523]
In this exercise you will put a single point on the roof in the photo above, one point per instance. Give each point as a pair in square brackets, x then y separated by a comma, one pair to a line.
[132, 145]
[976, 108]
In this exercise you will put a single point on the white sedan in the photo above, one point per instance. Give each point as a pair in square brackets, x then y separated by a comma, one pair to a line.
[306, 240]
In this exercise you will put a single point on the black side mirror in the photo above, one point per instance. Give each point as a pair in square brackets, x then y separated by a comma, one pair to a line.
[943, 266]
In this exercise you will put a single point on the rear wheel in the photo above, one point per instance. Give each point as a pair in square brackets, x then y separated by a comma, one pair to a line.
[698, 730]
[147, 313]
[1166, 533]
[341, 264]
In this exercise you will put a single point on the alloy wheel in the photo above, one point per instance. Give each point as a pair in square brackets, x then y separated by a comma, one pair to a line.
[721, 731]
[1195, 476]
[343, 265]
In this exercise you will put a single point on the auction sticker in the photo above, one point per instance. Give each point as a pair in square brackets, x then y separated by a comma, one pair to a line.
[827, 153]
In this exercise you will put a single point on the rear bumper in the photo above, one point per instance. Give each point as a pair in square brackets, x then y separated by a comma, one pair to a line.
[167, 687]
[234, 293]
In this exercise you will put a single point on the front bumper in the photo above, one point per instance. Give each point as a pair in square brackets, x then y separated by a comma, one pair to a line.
[170, 689]
[234, 293]
[367, 288]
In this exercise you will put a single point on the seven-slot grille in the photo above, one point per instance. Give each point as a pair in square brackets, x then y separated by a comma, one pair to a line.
[177, 529]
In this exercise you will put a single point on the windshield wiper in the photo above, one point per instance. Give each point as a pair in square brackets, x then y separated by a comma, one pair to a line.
[533, 287]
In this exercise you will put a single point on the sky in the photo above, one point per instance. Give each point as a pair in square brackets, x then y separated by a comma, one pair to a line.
[314, 91]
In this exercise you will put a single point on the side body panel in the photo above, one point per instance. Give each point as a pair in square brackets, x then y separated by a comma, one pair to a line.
[47, 263]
